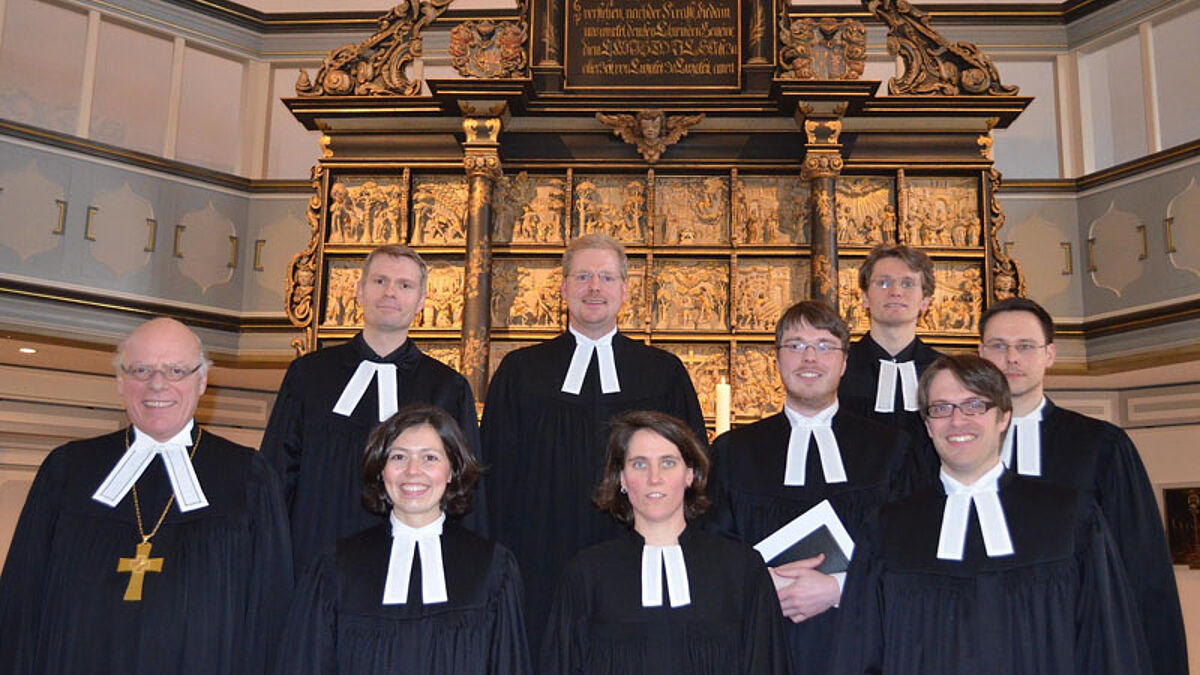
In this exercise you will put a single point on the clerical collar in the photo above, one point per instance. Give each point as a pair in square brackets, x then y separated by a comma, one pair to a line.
[654, 559]
[1026, 433]
[141, 451]
[984, 494]
[804, 428]
[403, 356]
[405, 542]
[584, 347]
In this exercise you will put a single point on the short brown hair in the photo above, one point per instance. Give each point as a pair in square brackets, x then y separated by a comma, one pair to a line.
[976, 373]
[1020, 305]
[595, 240]
[395, 251]
[915, 259]
[816, 313]
[464, 469]
[608, 495]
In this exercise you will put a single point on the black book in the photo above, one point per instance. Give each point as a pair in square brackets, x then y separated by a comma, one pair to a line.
[818, 530]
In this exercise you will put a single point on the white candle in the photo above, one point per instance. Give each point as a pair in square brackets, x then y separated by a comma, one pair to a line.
[724, 397]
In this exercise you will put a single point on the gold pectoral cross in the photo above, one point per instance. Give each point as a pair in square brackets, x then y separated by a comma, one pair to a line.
[137, 567]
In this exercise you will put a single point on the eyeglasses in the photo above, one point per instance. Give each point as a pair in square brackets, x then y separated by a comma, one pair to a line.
[173, 372]
[822, 347]
[888, 282]
[1001, 347]
[606, 278]
[975, 406]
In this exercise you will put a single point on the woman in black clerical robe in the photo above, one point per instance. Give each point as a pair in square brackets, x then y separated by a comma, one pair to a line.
[665, 596]
[418, 594]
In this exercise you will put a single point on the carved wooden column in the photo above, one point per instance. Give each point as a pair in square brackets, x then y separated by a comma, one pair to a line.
[822, 165]
[481, 159]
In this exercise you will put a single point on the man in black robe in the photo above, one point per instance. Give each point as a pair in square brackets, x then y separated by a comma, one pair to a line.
[987, 571]
[332, 398]
[854, 463]
[545, 422]
[124, 564]
[897, 284]
[1093, 456]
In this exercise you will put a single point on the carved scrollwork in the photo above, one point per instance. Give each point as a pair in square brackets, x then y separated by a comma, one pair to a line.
[612, 205]
[376, 65]
[823, 49]
[488, 49]
[757, 390]
[1007, 279]
[932, 64]
[651, 131]
[821, 164]
[691, 295]
[302, 270]
[692, 210]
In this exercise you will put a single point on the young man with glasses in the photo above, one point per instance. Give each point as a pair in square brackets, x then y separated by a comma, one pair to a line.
[545, 424]
[158, 548]
[766, 474]
[986, 571]
[1094, 456]
[332, 398]
[897, 284]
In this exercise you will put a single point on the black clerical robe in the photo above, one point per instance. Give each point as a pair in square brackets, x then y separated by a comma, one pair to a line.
[318, 453]
[1059, 605]
[546, 450]
[339, 624]
[750, 501]
[214, 608]
[599, 626]
[861, 380]
[1099, 459]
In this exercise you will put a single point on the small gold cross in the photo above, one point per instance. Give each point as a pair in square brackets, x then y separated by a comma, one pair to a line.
[137, 567]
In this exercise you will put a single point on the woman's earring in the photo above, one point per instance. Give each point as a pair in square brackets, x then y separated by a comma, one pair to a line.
[622, 489]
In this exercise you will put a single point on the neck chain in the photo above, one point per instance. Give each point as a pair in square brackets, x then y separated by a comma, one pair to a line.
[141, 563]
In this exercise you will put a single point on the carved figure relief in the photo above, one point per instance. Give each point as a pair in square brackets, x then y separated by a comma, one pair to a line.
[341, 296]
[866, 212]
[369, 213]
[957, 301]
[850, 302]
[757, 390]
[440, 210]
[650, 130]
[529, 210]
[943, 212]
[449, 353]
[692, 211]
[764, 288]
[770, 210]
[613, 205]
[526, 293]
[633, 313]
[706, 364]
[487, 49]
[691, 295]
[823, 49]
[443, 297]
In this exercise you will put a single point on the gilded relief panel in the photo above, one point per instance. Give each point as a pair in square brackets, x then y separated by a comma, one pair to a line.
[957, 301]
[770, 210]
[613, 205]
[440, 211]
[691, 211]
[527, 293]
[449, 353]
[757, 390]
[850, 302]
[691, 295]
[366, 211]
[706, 364]
[341, 297]
[943, 212]
[529, 210]
[764, 288]
[866, 210]
[633, 314]
[443, 297]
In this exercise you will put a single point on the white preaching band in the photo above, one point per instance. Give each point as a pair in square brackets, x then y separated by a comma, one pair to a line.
[184, 483]
[385, 374]
[1026, 431]
[984, 495]
[804, 428]
[885, 391]
[406, 541]
[584, 348]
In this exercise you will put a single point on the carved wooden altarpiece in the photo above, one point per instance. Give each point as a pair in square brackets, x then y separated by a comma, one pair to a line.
[731, 144]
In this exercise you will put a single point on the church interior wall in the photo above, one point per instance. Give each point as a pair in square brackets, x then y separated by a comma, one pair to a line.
[204, 95]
